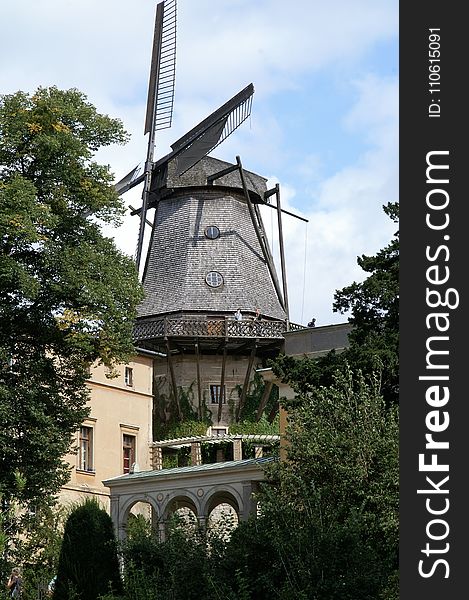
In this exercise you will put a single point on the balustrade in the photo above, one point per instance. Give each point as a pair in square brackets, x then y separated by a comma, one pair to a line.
[208, 327]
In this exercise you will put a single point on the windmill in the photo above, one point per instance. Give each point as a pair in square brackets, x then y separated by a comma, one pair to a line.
[208, 253]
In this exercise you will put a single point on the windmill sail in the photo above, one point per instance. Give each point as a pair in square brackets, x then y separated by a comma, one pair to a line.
[199, 148]
[212, 131]
[160, 96]
[207, 135]
[163, 69]
[126, 182]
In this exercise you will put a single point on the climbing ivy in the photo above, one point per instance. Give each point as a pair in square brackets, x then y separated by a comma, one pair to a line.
[168, 425]
[261, 427]
[166, 421]
[253, 399]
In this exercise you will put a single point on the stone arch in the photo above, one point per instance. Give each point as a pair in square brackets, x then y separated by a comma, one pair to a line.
[129, 503]
[222, 509]
[183, 503]
[223, 494]
[180, 499]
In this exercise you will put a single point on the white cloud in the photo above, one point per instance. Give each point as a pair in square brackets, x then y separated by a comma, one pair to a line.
[347, 219]
[271, 41]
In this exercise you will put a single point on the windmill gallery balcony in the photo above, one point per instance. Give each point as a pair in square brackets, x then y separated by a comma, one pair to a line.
[204, 326]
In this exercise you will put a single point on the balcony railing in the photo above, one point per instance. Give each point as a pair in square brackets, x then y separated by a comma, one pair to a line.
[209, 327]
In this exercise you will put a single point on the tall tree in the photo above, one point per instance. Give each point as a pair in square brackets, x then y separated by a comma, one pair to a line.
[374, 305]
[67, 294]
[328, 523]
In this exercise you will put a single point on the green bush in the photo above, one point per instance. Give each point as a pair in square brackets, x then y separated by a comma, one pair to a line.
[88, 563]
[172, 570]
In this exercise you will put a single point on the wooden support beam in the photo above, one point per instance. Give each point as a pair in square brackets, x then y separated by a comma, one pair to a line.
[199, 383]
[264, 399]
[173, 379]
[246, 382]
[211, 178]
[282, 255]
[260, 235]
[273, 413]
[271, 192]
[221, 397]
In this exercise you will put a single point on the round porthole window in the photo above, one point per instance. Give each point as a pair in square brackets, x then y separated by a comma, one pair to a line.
[212, 232]
[214, 279]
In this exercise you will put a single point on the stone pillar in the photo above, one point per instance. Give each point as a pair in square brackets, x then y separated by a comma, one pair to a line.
[249, 502]
[237, 450]
[162, 531]
[119, 528]
[285, 391]
[154, 521]
[157, 458]
[196, 454]
[202, 522]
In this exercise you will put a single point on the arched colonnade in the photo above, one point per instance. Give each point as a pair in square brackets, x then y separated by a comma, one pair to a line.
[201, 489]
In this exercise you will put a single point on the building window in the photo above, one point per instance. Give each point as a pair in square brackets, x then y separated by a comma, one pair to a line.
[214, 279]
[215, 392]
[85, 449]
[128, 452]
[219, 431]
[129, 376]
[212, 232]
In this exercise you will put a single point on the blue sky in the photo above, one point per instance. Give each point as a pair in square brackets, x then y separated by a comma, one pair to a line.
[324, 121]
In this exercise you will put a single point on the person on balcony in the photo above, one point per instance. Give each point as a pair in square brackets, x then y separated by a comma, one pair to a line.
[238, 316]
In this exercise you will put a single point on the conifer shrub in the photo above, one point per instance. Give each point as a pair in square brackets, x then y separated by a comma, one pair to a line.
[88, 563]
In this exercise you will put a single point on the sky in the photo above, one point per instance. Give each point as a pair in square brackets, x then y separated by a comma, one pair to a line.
[324, 120]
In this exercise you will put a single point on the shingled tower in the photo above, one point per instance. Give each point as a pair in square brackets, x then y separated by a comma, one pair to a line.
[204, 262]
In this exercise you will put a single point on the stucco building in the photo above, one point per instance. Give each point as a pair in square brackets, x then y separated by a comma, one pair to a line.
[115, 438]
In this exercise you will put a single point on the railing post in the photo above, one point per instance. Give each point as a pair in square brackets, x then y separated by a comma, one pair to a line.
[258, 451]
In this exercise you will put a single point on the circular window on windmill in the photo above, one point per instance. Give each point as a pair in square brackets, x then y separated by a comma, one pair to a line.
[214, 279]
[212, 232]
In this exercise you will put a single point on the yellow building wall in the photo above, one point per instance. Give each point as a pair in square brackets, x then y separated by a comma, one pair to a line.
[117, 408]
